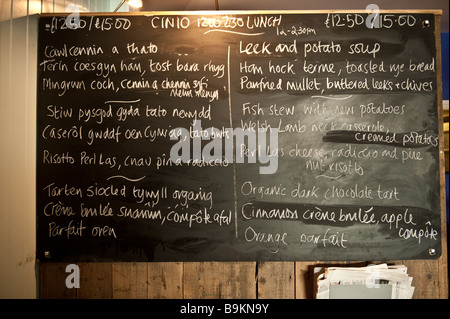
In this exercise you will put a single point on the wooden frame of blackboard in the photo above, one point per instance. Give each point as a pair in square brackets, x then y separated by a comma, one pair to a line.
[443, 260]
[436, 13]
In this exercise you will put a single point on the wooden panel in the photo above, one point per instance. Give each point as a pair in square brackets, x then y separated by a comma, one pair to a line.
[129, 280]
[213, 280]
[304, 280]
[425, 275]
[53, 282]
[95, 281]
[443, 260]
[238, 280]
[165, 280]
[276, 280]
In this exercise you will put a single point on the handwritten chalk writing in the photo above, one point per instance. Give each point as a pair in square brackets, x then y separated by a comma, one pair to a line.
[296, 30]
[355, 191]
[336, 239]
[223, 218]
[149, 196]
[130, 66]
[255, 109]
[58, 209]
[158, 66]
[108, 103]
[384, 85]
[415, 86]
[388, 194]
[107, 84]
[230, 22]
[303, 85]
[281, 68]
[170, 22]
[217, 69]
[357, 48]
[112, 134]
[396, 68]
[103, 210]
[137, 161]
[64, 158]
[150, 48]
[284, 47]
[362, 216]
[100, 231]
[420, 138]
[250, 68]
[59, 112]
[301, 192]
[263, 21]
[383, 137]
[63, 86]
[370, 67]
[406, 233]
[411, 155]
[313, 67]
[248, 211]
[422, 66]
[252, 235]
[318, 108]
[106, 191]
[136, 213]
[350, 151]
[52, 52]
[247, 188]
[123, 113]
[72, 229]
[106, 24]
[186, 66]
[393, 219]
[155, 111]
[306, 152]
[61, 24]
[318, 214]
[100, 68]
[185, 196]
[276, 110]
[97, 159]
[54, 65]
[262, 84]
[254, 48]
[371, 108]
[53, 190]
[338, 20]
[361, 127]
[320, 47]
[345, 83]
[99, 114]
[151, 133]
[200, 217]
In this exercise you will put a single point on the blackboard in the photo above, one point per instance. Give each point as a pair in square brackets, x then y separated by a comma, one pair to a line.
[237, 136]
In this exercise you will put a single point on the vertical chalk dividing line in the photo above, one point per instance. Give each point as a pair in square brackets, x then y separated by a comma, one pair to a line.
[234, 147]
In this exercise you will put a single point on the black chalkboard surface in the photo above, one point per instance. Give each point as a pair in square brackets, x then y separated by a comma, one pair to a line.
[237, 136]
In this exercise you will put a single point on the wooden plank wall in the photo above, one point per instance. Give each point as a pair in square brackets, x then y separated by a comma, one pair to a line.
[214, 280]
[18, 278]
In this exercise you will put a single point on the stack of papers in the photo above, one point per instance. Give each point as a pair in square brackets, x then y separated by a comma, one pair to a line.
[371, 282]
